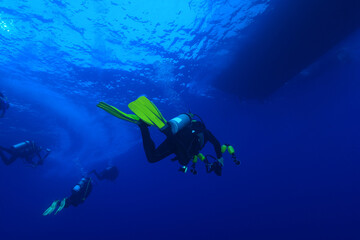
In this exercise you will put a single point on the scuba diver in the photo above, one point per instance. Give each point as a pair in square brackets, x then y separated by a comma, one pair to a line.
[4, 105]
[78, 195]
[27, 150]
[185, 136]
[109, 173]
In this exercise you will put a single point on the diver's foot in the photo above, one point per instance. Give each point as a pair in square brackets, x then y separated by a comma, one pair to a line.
[142, 124]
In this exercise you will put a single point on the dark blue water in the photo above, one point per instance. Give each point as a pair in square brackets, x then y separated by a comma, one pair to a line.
[299, 148]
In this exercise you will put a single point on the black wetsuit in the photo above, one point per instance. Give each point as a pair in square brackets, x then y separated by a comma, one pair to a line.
[79, 193]
[110, 173]
[28, 150]
[185, 144]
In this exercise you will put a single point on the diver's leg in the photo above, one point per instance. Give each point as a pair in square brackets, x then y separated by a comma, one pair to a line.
[154, 154]
[67, 202]
[10, 160]
[4, 158]
[6, 150]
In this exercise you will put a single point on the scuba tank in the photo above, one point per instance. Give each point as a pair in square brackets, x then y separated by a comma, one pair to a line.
[183, 120]
[21, 146]
[83, 185]
[179, 122]
[80, 184]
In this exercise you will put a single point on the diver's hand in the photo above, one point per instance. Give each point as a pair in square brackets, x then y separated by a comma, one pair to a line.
[221, 161]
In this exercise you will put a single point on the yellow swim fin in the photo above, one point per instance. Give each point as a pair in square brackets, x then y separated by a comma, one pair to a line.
[61, 207]
[148, 112]
[119, 114]
[51, 208]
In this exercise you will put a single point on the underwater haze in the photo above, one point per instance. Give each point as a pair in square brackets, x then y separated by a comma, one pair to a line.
[299, 147]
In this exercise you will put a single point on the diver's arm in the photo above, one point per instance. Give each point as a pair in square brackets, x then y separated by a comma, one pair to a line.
[29, 160]
[7, 150]
[99, 176]
[212, 139]
[39, 156]
[33, 163]
[67, 202]
[46, 154]
[44, 157]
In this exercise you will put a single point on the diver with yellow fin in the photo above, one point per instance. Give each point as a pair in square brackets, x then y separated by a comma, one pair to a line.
[78, 195]
[185, 135]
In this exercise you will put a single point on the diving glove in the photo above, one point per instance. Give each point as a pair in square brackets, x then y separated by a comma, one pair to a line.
[221, 161]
